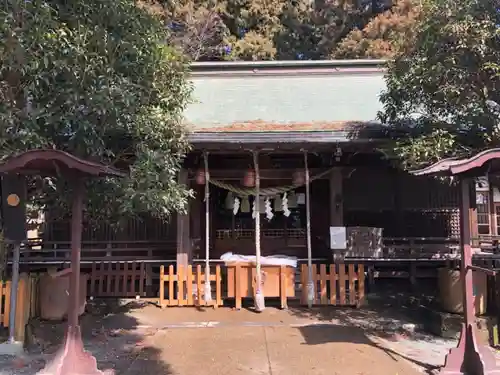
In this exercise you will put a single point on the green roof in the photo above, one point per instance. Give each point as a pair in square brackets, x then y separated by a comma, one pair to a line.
[284, 93]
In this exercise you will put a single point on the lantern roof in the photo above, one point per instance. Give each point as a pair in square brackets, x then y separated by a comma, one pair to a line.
[485, 162]
[50, 162]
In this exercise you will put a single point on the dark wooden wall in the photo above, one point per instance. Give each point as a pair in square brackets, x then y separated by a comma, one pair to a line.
[401, 204]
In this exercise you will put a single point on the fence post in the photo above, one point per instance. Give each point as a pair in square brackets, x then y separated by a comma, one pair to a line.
[22, 313]
[283, 287]
[162, 285]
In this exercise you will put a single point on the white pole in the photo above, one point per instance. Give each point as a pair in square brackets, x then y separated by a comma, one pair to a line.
[259, 296]
[310, 285]
[208, 289]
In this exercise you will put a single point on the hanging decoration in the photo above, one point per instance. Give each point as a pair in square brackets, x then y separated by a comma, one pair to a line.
[236, 205]
[262, 204]
[284, 205]
[249, 178]
[245, 205]
[268, 209]
[238, 200]
[228, 203]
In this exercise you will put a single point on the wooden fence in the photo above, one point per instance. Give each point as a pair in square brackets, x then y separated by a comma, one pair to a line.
[335, 284]
[119, 279]
[186, 288]
[27, 304]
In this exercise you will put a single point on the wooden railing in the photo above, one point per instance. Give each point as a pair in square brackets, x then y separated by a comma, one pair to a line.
[118, 279]
[38, 251]
[334, 284]
[419, 248]
[177, 286]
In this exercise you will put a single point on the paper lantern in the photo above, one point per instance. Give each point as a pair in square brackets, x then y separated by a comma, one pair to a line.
[200, 177]
[299, 178]
[249, 178]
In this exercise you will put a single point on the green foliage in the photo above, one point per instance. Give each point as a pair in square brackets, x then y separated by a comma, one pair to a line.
[441, 85]
[96, 78]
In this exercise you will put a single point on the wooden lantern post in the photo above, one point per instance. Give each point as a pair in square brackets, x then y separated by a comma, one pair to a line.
[208, 289]
[72, 359]
[470, 356]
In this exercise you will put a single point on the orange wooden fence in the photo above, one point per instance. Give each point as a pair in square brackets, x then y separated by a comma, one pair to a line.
[186, 286]
[118, 279]
[335, 284]
[27, 304]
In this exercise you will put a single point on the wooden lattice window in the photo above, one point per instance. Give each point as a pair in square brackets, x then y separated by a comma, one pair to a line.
[483, 206]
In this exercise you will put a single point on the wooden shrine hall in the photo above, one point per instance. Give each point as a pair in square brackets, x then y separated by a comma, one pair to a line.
[287, 178]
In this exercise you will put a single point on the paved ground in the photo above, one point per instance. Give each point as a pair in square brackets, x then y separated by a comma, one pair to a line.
[180, 341]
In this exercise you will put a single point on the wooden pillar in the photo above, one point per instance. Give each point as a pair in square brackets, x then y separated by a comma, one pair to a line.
[336, 206]
[183, 237]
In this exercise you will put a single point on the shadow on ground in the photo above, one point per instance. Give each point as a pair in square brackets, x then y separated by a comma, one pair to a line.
[319, 334]
[112, 336]
[390, 307]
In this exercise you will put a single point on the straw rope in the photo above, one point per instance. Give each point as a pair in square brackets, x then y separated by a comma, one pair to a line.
[267, 192]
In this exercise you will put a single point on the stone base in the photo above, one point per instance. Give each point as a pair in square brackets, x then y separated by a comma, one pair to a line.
[13, 348]
[449, 326]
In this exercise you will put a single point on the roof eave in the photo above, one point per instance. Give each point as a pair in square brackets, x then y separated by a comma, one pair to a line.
[291, 137]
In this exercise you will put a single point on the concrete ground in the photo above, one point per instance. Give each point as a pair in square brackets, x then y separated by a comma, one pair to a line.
[183, 341]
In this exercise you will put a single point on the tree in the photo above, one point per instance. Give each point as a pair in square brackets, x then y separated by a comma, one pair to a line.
[383, 35]
[96, 78]
[195, 28]
[442, 87]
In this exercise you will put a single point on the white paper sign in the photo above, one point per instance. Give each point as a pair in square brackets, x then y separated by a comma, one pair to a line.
[338, 238]
[496, 195]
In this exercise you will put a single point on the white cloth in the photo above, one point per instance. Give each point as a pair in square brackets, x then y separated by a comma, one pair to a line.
[273, 260]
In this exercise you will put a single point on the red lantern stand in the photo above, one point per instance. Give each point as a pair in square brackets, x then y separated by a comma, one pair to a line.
[72, 359]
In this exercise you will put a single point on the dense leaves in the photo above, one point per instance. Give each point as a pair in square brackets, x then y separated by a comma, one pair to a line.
[443, 85]
[283, 29]
[97, 79]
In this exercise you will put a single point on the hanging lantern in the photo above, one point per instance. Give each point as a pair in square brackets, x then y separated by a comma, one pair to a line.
[249, 178]
[200, 177]
[299, 178]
